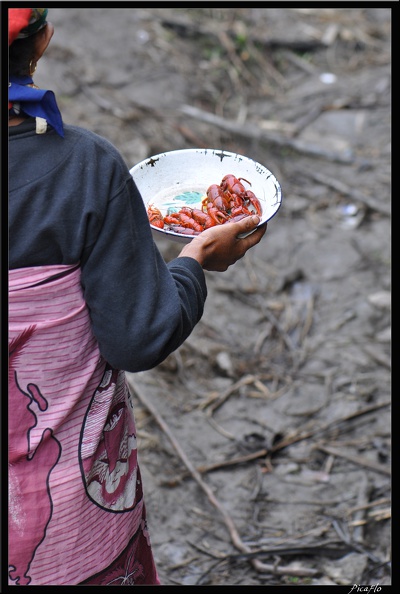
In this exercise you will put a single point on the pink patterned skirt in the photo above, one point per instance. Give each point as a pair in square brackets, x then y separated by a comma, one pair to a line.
[76, 509]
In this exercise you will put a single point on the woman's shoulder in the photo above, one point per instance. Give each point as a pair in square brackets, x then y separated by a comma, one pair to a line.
[81, 142]
[87, 137]
[89, 147]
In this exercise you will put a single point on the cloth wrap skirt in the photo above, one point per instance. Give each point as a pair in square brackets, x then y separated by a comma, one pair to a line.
[76, 509]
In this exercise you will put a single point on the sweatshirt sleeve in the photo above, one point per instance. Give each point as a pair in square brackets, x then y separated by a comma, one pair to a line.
[142, 309]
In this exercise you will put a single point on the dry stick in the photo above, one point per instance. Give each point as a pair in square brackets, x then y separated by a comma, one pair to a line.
[381, 514]
[190, 135]
[301, 63]
[362, 499]
[343, 534]
[286, 442]
[255, 301]
[253, 131]
[309, 319]
[372, 202]
[212, 28]
[247, 379]
[334, 552]
[236, 540]
[126, 114]
[228, 44]
[266, 67]
[378, 357]
[381, 501]
[312, 114]
[233, 461]
[356, 459]
[195, 474]
[291, 440]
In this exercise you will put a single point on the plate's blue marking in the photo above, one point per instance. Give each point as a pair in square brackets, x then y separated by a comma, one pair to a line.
[185, 199]
[189, 197]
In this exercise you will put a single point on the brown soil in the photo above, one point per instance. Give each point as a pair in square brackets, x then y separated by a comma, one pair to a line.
[265, 440]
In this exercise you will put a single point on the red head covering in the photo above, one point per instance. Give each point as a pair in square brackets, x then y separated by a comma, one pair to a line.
[18, 19]
[23, 96]
[24, 22]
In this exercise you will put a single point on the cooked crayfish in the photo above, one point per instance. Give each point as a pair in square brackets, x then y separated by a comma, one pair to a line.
[229, 201]
[155, 216]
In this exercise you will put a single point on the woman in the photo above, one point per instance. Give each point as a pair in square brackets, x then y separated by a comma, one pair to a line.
[89, 298]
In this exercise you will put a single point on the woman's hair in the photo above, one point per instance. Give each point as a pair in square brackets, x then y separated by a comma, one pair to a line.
[21, 53]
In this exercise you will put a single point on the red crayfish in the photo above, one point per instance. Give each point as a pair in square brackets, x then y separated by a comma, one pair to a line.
[155, 217]
[229, 201]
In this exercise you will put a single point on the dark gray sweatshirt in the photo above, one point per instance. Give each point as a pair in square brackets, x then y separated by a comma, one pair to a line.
[73, 200]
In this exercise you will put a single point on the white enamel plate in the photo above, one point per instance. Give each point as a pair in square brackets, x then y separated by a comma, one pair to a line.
[174, 179]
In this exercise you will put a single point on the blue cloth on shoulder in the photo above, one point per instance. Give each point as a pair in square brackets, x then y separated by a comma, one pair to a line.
[35, 102]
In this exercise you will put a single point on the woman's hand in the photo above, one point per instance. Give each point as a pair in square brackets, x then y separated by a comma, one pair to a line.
[221, 246]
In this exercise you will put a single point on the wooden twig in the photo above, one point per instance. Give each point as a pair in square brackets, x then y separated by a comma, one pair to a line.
[233, 461]
[195, 474]
[373, 202]
[362, 499]
[284, 443]
[343, 534]
[295, 438]
[356, 459]
[309, 319]
[327, 550]
[233, 532]
[377, 357]
[382, 501]
[190, 29]
[381, 514]
[191, 136]
[255, 132]
[301, 63]
[229, 46]
[133, 113]
[259, 301]
[221, 398]
[265, 65]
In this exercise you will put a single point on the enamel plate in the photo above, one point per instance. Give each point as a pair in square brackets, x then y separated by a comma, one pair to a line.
[174, 179]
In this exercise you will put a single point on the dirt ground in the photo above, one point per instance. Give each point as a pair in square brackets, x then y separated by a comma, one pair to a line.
[265, 440]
